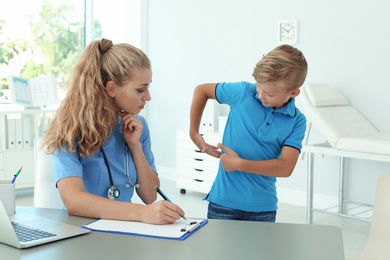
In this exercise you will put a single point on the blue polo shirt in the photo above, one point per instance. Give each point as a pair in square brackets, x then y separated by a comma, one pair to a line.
[254, 132]
[93, 170]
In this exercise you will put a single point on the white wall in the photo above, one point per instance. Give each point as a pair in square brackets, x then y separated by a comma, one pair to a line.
[345, 42]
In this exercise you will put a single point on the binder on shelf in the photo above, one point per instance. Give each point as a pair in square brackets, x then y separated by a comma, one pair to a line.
[11, 132]
[212, 112]
[19, 133]
[27, 143]
[208, 121]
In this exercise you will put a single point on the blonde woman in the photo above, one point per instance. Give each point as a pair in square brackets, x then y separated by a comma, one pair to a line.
[101, 147]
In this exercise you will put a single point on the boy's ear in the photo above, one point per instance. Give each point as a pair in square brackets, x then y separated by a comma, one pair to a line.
[295, 92]
[111, 88]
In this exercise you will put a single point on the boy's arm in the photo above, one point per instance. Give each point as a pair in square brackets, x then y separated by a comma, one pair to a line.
[282, 167]
[202, 93]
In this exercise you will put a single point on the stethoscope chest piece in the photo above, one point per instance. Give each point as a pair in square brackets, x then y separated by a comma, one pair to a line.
[113, 193]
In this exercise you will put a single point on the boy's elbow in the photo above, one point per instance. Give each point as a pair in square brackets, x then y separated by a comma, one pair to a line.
[287, 167]
[287, 174]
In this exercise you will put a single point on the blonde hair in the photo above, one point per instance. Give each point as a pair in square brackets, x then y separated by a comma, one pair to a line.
[85, 118]
[284, 65]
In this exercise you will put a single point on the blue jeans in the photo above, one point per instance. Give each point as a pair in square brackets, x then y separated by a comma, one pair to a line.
[216, 211]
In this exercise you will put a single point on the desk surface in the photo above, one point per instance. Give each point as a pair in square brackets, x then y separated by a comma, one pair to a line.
[219, 239]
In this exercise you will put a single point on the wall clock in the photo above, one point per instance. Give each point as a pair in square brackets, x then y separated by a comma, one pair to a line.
[288, 31]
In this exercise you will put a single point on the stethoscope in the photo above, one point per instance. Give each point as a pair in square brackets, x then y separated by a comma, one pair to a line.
[114, 193]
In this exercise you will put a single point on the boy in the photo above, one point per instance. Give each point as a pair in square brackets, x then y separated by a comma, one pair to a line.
[262, 138]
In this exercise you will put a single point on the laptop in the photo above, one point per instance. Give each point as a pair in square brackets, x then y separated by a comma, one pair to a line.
[33, 230]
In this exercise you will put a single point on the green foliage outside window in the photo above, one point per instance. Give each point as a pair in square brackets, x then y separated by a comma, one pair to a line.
[57, 41]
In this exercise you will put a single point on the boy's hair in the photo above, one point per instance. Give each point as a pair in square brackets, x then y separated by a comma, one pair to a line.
[284, 65]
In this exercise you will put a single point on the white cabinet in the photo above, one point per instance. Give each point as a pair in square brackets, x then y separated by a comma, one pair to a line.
[18, 129]
[196, 170]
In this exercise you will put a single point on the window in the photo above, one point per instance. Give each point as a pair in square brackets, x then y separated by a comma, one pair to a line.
[40, 37]
[46, 36]
[119, 21]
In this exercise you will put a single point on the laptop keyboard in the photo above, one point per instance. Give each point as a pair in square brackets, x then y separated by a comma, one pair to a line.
[26, 234]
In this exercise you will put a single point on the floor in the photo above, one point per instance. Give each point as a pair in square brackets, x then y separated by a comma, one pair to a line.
[355, 232]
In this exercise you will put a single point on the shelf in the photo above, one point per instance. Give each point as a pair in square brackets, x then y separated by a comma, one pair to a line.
[354, 210]
[18, 130]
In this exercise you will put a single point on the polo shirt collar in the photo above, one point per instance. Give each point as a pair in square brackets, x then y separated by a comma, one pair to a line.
[288, 109]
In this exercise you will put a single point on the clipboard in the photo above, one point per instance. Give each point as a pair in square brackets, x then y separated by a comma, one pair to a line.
[179, 230]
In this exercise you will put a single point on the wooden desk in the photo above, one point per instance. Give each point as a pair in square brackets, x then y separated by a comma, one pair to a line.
[219, 239]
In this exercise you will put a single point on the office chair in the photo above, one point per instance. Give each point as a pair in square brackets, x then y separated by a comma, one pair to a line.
[46, 194]
[378, 245]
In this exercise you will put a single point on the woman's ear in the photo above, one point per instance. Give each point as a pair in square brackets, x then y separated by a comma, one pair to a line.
[111, 88]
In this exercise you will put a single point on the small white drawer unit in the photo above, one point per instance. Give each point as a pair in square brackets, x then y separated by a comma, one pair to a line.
[195, 170]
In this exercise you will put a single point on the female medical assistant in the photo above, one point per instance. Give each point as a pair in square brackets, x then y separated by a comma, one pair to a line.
[95, 171]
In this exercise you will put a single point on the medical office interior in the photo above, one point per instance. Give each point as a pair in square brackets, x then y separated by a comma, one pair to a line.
[192, 42]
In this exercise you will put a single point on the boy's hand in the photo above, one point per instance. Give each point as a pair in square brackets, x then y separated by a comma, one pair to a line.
[205, 147]
[212, 150]
[228, 159]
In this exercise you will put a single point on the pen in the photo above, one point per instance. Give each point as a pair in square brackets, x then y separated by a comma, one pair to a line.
[16, 175]
[165, 197]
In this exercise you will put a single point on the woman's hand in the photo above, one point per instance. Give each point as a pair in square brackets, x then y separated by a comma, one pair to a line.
[162, 212]
[131, 128]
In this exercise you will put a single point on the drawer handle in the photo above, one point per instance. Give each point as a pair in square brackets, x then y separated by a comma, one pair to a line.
[198, 151]
[198, 170]
[198, 180]
[199, 160]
